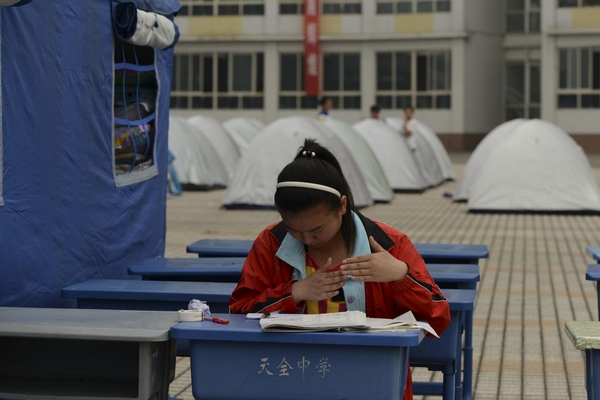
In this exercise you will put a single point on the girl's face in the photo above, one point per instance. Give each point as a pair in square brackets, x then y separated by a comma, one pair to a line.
[315, 227]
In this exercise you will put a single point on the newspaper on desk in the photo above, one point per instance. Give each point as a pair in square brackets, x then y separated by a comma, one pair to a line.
[349, 321]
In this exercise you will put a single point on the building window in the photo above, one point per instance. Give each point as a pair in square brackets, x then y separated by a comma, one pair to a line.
[291, 7]
[420, 79]
[342, 7]
[578, 3]
[218, 81]
[340, 80]
[221, 7]
[522, 97]
[579, 78]
[523, 15]
[412, 6]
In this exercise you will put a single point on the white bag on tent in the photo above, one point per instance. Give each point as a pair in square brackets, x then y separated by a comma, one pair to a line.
[253, 184]
[395, 158]
[154, 30]
[537, 167]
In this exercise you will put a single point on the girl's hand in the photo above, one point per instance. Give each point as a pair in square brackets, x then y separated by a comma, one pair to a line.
[380, 266]
[321, 284]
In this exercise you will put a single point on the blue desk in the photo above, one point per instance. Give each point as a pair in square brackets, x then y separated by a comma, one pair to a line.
[585, 336]
[439, 253]
[148, 295]
[445, 354]
[238, 361]
[215, 269]
[212, 269]
[594, 252]
[593, 274]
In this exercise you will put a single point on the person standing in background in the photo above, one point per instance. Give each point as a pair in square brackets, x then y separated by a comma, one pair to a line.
[409, 127]
[326, 105]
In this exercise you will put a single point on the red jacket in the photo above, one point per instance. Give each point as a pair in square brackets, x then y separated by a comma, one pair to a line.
[265, 285]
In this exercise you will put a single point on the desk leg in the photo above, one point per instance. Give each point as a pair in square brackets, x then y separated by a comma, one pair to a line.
[592, 374]
[467, 386]
[598, 297]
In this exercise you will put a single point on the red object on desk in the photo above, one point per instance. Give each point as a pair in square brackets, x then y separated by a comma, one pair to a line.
[217, 320]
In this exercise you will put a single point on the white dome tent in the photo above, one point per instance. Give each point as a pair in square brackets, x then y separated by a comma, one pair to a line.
[537, 167]
[394, 156]
[429, 147]
[377, 183]
[242, 131]
[480, 154]
[212, 129]
[253, 185]
[197, 164]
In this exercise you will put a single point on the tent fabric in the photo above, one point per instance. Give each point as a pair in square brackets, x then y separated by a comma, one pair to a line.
[212, 129]
[253, 184]
[377, 183]
[537, 167]
[242, 131]
[489, 143]
[395, 158]
[429, 147]
[64, 219]
[421, 151]
[195, 159]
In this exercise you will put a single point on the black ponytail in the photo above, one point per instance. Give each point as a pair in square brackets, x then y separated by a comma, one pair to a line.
[316, 164]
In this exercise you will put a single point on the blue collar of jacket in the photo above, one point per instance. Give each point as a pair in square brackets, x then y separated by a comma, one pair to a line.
[292, 252]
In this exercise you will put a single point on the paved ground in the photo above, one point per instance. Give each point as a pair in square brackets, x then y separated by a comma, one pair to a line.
[533, 282]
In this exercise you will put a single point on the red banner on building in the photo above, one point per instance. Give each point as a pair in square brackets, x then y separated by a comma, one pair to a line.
[311, 47]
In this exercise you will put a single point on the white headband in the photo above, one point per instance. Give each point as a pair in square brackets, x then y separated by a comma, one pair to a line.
[309, 186]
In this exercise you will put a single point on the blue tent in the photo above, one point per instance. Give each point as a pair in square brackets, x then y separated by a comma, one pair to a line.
[72, 207]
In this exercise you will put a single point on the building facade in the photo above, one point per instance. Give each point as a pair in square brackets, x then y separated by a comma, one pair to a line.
[464, 65]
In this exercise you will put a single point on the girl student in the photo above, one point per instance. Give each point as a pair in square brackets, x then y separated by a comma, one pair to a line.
[324, 256]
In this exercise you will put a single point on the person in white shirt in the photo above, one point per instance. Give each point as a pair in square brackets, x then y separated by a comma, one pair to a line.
[409, 127]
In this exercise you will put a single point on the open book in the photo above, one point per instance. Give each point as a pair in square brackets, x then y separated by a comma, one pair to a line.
[349, 321]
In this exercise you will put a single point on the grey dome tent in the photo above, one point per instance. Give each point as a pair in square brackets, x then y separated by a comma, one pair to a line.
[480, 154]
[197, 163]
[430, 147]
[253, 185]
[535, 167]
[375, 179]
[242, 131]
[212, 129]
[394, 156]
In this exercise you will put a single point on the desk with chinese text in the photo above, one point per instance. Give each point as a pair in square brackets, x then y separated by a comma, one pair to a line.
[239, 361]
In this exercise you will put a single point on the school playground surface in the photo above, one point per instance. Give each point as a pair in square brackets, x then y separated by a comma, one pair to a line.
[533, 282]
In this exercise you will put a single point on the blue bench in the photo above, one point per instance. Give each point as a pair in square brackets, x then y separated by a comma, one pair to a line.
[439, 253]
[117, 294]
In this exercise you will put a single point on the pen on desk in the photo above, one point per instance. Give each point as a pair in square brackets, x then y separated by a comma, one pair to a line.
[217, 320]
